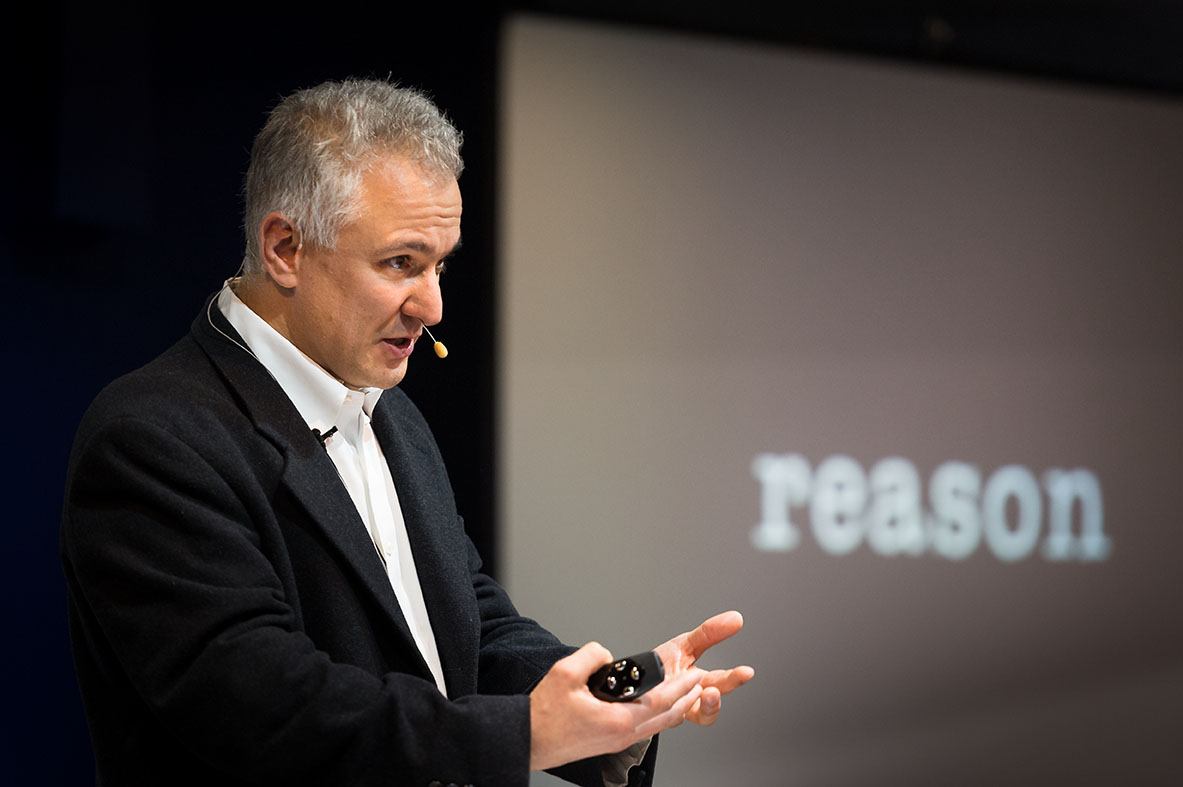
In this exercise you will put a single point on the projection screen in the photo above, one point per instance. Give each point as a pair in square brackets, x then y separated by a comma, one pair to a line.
[886, 357]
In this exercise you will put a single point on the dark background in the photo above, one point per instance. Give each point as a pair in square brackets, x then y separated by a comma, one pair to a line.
[126, 148]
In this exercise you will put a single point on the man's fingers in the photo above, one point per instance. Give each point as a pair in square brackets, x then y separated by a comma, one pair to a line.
[672, 700]
[672, 717]
[706, 711]
[665, 695]
[728, 680]
[713, 631]
[582, 663]
[674, 687]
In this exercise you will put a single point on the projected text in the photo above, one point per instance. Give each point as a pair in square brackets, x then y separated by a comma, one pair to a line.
[1011, 513]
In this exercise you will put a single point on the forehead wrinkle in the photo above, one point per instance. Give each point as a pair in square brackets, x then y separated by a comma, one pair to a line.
[416, 245]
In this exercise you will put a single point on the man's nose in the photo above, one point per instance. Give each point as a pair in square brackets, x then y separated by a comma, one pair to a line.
[426, 302]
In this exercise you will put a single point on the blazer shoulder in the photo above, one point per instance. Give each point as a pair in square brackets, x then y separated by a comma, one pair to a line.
[179, 393]
[181, 379]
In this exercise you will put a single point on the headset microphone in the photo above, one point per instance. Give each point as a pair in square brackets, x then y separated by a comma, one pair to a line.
[439, 347]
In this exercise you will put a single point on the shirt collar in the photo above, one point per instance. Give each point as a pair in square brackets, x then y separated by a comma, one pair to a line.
[322, 400]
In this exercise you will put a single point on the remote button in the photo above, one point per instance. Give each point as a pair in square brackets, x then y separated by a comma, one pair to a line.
[627, 679]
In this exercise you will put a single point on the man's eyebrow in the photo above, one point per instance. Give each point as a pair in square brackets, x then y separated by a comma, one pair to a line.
[417, 246]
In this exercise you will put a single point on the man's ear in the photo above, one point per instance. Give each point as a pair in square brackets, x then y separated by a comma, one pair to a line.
[281, 249]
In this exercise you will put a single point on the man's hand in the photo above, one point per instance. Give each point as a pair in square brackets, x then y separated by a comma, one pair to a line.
[682, 652]
[568, 723]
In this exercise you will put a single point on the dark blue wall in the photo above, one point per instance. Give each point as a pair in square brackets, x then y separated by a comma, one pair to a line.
[122, 214]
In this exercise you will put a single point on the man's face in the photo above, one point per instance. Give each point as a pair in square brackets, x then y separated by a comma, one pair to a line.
[358, 309]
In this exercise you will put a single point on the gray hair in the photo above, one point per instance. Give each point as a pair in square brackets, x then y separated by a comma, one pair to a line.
[308, 160]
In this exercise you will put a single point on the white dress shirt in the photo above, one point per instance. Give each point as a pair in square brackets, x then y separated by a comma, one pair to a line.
[325, 402]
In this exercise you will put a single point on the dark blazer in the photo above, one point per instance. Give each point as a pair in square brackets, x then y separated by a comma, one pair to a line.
[231, 620]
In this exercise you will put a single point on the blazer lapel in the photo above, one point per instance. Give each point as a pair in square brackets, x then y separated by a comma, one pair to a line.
[442, 566]
[309, 473]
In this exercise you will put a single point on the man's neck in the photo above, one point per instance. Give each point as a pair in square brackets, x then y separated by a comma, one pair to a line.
[265, 298]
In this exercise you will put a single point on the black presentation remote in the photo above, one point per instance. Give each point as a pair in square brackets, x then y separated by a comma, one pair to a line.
[627, 679]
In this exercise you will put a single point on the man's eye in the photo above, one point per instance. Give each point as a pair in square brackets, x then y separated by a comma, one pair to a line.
[440, 267]
[398, 263]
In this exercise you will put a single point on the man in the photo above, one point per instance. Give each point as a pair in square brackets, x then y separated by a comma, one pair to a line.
[267, 576]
